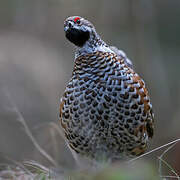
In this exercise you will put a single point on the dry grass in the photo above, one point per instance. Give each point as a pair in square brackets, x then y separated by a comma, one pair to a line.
[34, 170]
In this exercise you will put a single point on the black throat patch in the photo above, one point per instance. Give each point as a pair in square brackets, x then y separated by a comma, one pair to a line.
[78, 37]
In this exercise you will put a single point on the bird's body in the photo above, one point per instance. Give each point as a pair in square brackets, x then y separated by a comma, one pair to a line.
[105, 109]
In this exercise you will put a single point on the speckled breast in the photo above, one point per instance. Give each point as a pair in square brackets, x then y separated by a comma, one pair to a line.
[106, 108]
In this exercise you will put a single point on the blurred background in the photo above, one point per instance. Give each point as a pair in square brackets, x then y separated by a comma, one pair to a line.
[36, 62]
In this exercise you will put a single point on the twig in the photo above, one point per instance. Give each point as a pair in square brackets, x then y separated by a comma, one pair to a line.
[36, 166]
[17, 164]
[156, 149]
[162, 160]
[172, 170]
[174, 177]
[28, 132]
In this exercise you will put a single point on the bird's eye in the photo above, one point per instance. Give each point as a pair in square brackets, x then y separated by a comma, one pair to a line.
[77, 20]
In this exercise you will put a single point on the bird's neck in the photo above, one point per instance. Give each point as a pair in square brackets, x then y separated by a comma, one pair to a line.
[95, 43]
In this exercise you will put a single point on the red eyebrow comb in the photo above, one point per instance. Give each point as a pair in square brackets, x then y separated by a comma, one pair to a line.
[76, 19]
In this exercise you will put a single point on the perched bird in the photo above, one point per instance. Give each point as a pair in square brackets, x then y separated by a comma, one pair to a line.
[105, 109]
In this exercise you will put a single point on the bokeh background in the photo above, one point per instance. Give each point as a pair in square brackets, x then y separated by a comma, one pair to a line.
[36, 62]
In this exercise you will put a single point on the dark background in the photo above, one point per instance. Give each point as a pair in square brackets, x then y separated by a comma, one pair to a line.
[36, 62]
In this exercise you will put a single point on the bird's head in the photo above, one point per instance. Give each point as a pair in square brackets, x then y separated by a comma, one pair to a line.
[78, 30]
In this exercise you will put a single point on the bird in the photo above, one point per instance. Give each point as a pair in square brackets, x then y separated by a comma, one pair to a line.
[105, 110]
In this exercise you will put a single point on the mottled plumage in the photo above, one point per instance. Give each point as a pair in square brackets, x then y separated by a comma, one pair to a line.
[105, 108]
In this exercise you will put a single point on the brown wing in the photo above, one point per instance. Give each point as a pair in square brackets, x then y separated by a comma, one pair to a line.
[144, 99]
